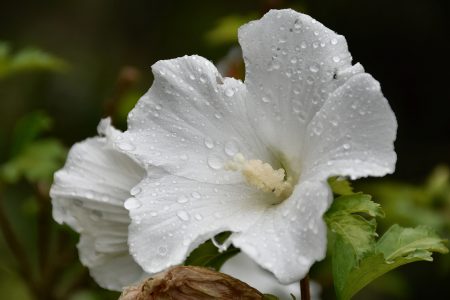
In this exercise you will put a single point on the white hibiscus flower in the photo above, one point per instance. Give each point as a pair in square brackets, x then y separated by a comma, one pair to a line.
[88, 194]
[253, 157]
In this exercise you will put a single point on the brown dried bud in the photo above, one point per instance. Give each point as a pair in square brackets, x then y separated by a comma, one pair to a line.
[189, 282]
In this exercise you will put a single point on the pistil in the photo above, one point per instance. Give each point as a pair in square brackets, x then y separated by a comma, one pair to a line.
[261, 175]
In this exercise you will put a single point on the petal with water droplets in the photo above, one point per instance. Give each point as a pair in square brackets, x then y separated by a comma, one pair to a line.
[353, 134]
[190, 123]
[291, 236]
[178, 214]
[88, 195]
[291, 62]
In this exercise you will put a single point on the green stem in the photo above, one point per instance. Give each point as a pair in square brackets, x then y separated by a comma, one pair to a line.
[304, 288]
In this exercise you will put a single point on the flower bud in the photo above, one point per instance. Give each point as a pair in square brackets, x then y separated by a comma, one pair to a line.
[190, 282]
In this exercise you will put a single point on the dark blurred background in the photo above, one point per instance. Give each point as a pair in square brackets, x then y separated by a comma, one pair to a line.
[109, 46]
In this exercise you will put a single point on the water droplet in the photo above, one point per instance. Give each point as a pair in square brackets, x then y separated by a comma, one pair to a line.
[132, 203]
[158, 107]
[318, 129]
[336, 59]
[182, 199]
[135, 190]
[303, 45]
[293, 60]
[162, 250]
[334, 41]
[198, 217]
[203, 78]
[215, 162]
[229, 92]
[183, 215]
[209, 143]
[314, 68]
[231, 148]
[196, 195]
[265, 99]
[192, 77]
[346, 146]
[95, 215]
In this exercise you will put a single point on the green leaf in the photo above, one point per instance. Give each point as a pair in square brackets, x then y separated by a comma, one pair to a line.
[420, 242]
[225, 30]
[397, 247]
[35, 59]
[28, 59]
[28, 128]
[37, 162]
[207, 254]
[340, 185]
[351, 217]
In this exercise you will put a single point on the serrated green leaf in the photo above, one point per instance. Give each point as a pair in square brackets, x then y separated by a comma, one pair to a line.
[346, 218]
[340, 186]
[207, 254]
[356, 204]
[37, 162]
[420, 242]
[397, 247]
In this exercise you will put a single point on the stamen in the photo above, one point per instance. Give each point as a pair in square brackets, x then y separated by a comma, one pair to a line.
[262, 176]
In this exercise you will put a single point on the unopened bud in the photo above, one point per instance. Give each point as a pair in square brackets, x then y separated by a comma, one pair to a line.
[191, 283]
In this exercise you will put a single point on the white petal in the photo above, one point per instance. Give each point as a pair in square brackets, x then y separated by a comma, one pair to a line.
[112, 271]
[290, 236]
[353, 134]
[88, 195]
[243, 268]
[191, 122]
[291, 64]
[172, 215]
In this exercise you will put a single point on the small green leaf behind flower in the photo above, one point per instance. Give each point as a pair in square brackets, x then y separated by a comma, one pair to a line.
[207, 254]
[357, 257]
[340, 186]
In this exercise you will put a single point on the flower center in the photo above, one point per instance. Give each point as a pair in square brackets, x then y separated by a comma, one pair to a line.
[262, 176]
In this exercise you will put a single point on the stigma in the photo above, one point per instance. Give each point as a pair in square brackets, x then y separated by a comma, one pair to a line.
[262, 176]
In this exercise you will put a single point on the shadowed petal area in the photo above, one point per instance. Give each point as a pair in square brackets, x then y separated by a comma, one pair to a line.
[191, 122]
[353, 134]
[245, 269]
[291, 236]
[88, 195]
[291, 62]
[173, 215]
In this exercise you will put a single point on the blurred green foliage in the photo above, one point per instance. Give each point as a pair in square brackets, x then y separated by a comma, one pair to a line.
[29, 59]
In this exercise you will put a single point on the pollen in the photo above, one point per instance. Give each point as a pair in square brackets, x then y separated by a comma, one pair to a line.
[262, 175]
